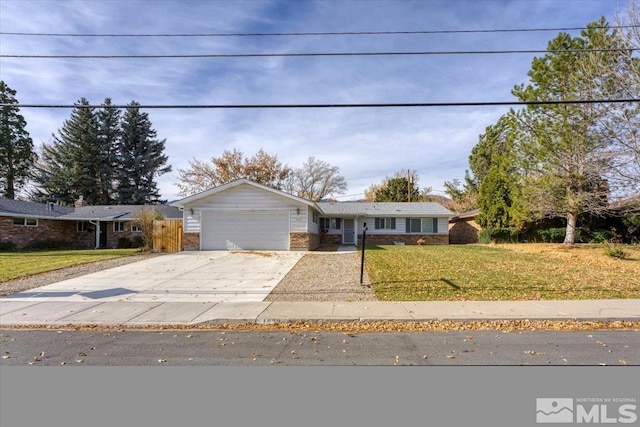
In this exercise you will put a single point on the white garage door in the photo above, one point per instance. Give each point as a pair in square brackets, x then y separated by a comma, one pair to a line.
[267, 230]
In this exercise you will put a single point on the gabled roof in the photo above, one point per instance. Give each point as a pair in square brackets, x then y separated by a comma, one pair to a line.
[20, 208]
[378, 209]
[466, 215]
[232, 184]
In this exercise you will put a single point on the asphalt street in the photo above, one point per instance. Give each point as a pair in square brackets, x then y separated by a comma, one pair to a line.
[258, 348]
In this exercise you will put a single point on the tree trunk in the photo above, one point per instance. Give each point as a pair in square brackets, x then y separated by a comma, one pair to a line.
[570, 236]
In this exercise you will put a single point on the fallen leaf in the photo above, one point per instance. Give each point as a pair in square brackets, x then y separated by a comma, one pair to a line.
[623, 362]
[162, 360]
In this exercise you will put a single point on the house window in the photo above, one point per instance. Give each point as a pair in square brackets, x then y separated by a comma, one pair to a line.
[314, 218]
[82, 226]
[136, 229]
[118, 226]
[385, 223]
[422, 225]
[331, 223]
[28, 222]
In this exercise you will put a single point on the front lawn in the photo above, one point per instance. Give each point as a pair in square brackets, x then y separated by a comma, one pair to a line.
[501, 272]
[18, 264]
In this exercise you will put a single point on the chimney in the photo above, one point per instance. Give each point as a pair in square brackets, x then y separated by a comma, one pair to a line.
[80, 202]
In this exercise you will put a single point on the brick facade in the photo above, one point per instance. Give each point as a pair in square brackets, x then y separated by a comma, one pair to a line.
[304, 241]
[47, 229]
[113, 236]
[62, 230]
[191, 241]
[463, 231]
[330, 239]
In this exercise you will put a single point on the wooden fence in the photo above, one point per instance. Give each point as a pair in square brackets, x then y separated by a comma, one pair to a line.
[167, 235]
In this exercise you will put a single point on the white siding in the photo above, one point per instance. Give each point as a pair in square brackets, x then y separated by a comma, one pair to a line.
[443, 225]
[311, 226]
[246, 198]
[401, 228]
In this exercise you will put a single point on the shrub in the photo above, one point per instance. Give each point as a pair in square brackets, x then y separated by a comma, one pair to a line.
[552, 235]
[601, 236]
[7, 246]
[498, 235]
[50, 244]
[613, 250]
[137, 242]
[123, 243]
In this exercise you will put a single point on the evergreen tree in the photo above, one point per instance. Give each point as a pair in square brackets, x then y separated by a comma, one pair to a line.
[108, 139]
[140, 159]
[565, 149]
[493, 162]
[17, 156]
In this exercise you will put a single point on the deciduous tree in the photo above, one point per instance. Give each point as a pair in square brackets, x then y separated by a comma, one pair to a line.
[401, 187]
[315, 180]
[262, 168]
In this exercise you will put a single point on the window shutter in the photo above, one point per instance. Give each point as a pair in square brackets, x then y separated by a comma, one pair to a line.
[377, 221]
[435, 225]
[393, 223]
[408, 225]
[338, 220]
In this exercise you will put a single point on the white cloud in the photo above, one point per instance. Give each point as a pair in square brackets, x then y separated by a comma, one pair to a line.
[366, 144]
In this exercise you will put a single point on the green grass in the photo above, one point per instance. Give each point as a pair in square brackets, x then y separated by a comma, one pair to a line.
[14, 265]
[501, 272]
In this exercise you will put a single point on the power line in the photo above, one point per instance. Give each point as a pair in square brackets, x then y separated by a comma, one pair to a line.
[307, 54]
[320, 33]
[302, 106]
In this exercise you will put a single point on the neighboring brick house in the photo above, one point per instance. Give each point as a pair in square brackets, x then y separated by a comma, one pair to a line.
[81, 226]
[463, 228]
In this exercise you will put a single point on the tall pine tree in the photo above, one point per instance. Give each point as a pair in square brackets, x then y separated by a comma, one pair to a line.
[16, 147]
[140, 159]
[68, 168]
[108, 139]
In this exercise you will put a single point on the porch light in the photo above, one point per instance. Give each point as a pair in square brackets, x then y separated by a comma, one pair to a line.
[191, 211]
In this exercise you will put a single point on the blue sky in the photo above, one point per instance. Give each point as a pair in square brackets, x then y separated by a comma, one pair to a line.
[366, 144]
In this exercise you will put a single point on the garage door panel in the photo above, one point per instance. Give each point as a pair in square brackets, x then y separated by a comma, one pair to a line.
[256, 230]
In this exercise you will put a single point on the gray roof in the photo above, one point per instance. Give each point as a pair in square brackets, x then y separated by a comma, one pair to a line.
[379, 209]
[99, 212]
[10, 207]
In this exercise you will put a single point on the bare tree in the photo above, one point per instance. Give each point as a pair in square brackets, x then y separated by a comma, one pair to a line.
[262, 168]
[144, 219]
[315, 180]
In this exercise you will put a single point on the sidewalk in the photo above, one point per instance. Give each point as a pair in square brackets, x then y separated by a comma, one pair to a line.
[138, 313]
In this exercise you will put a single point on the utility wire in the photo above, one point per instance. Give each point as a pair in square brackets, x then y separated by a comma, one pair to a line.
[373, 105]
[323, 33]
[307, 54]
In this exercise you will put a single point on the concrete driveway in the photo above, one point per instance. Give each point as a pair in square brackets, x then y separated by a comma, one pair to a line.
[207, 276]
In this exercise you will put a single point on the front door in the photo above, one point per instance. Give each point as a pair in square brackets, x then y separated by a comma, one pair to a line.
[103, 234]
[348, 232]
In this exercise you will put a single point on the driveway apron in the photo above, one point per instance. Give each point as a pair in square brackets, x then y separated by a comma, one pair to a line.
[202, 276]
